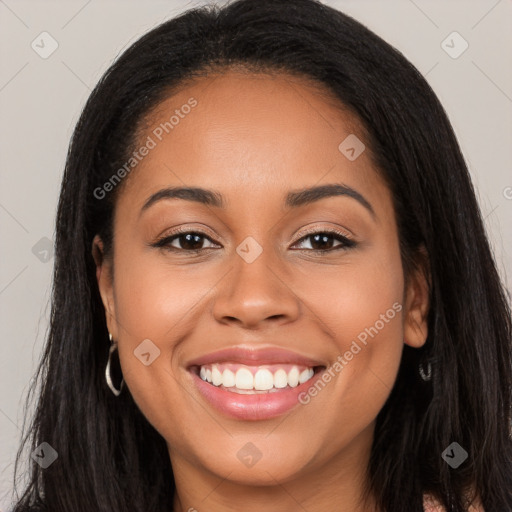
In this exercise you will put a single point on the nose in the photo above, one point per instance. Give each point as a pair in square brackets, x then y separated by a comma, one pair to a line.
[256, 294]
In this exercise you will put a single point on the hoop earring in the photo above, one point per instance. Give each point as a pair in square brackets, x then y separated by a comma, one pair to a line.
[108, 378]
[426, 376]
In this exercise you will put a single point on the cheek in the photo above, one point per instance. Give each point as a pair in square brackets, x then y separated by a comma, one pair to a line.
[361, 307]
[153, 298]
[360, 299]
[160, 303]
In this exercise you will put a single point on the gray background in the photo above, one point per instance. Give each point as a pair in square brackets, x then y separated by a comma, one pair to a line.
[40, 100]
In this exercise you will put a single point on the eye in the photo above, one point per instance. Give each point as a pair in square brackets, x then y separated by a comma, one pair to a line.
[322, 241]
[193, 241]
[188, 241]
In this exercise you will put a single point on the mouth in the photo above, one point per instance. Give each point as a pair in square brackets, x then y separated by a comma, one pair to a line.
[250, 384]
[250, 380]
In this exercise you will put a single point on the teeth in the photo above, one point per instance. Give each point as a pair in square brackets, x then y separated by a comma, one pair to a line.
[280, 379]
[216, 376]
[263, 380]
[243, 379]
[304, 376]
[259, 379]
[228, 378]
[293, 378]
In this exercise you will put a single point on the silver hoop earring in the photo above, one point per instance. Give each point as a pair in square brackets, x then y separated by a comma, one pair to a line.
[108, 378]
[426, 376]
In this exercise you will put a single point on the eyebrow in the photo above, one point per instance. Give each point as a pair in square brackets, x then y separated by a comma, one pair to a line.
[309, 195]
[294, 199]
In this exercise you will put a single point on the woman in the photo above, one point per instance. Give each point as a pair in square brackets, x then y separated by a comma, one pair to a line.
[266, 219]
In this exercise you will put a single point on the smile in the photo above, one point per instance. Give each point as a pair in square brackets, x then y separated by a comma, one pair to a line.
[255, 379]
[253, 384]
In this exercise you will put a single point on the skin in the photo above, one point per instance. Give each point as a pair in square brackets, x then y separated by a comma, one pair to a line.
[280, 134]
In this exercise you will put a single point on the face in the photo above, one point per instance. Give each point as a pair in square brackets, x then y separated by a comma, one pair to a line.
[300, 295]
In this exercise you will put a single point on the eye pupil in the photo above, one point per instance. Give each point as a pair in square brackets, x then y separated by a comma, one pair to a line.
[322, 239]
[191, 238]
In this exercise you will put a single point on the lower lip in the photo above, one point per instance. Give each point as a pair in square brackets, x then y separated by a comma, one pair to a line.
[261, 406]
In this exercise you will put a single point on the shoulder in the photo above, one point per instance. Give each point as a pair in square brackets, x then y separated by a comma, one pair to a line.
[430, 504]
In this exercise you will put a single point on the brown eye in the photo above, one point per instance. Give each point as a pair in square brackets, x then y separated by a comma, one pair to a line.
[188, 241]
[323, 241]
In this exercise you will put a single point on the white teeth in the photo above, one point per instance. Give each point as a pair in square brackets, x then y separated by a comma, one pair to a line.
[280, 379]
[244, 379]
[263, 380]
[293, 377]
[216, 376]
[306, 375]
[228, 378]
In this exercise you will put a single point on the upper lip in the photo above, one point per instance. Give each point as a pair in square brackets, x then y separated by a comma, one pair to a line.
[252, 356]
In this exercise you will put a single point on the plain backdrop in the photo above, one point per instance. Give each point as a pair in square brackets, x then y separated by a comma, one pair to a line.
[41, 98]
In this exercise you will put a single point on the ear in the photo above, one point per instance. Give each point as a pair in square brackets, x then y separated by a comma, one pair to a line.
[105, 283]
[417, 302]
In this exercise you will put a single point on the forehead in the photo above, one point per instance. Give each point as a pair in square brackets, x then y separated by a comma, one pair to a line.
[249, 134]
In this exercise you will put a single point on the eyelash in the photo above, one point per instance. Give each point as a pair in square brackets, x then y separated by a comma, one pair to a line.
[167, 240]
